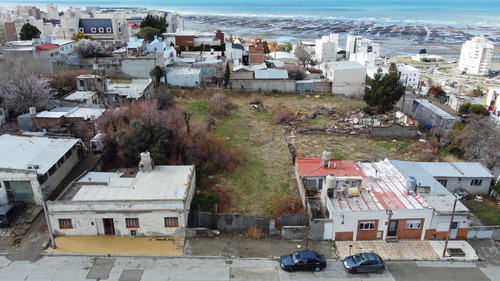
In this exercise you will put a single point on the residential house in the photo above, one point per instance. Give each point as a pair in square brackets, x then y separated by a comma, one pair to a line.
[285, 57]
[184, 77]
[409, 75]
[137, 46]
[256, 52]
[140, 66]
[80, 98]
[149, 201]
[32, 167]
[425, 57]
[127, 93]
[348, 77]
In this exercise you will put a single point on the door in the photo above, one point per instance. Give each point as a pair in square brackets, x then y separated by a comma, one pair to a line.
[393, 227]
[454, 230]
[20, 191]
[109, 226]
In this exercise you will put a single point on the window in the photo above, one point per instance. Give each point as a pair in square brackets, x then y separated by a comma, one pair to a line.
[93, 30]
[101, 29]
[171, 222]
[476, 182]
[310, 182]
[65, 223]
[52, 169]
[80, 29]
[108, 29]
[443, 182]
[119, 29]
[60, 162]
[368, 225]
[132, 222]
[413, 224]
[82, 83]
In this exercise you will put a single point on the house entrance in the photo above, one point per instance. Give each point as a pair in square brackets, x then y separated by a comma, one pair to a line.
[393, 227]
[454, 230]
[109, 226]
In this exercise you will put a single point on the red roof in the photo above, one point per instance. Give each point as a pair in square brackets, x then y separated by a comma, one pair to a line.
[311, 167]
[46, 46]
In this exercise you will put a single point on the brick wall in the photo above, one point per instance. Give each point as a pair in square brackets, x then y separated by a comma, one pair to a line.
[441, 235]
[404, 233]
[367, 234]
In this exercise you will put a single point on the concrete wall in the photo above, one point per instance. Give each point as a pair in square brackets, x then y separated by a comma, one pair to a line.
[394, 131]
[140, 67]
[350, 82]
[293, 232]
[231, 223]
[484, 232]
[317, 229]
[264, 85]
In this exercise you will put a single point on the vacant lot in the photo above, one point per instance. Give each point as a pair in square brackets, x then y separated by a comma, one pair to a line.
[487, 211]
[266, 168]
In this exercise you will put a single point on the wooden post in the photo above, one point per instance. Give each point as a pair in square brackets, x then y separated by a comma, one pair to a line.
[449, 229]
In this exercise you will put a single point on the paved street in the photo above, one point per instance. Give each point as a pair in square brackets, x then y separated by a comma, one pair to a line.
[74, 268]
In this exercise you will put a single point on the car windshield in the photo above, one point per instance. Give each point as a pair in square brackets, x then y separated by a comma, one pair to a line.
[358, 258]
[295, 257]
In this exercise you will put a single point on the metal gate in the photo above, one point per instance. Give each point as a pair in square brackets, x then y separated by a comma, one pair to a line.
[20, 191]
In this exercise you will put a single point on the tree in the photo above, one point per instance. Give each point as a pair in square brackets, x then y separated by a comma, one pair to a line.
[80, 35]
[266, 47]
[437, 91]
[29, 32]
[302, 55]
[384, 91]
[295, 72]
[148, 33]
[227, 76]
[285, 47]
[155, 22]
[22, 88]
[90, 49]
[477, 109]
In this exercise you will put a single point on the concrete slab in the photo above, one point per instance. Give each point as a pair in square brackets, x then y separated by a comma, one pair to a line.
[131, 275]
[117, 245]
[101, 269]
[256, 274]
[470, 253]
[401, 250]
[487, 250]
[410, 271]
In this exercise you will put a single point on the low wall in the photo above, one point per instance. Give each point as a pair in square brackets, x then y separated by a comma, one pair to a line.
[394, 131]
[280, 85]
[230, 223]
[293, 232]
[484, 232]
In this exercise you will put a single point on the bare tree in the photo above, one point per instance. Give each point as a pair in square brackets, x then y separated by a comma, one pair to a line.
[302, 55]
[479, 140]
[89, 48]
[21, 88]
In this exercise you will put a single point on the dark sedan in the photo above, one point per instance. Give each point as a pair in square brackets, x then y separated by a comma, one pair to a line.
[364, 262]
[303, 260]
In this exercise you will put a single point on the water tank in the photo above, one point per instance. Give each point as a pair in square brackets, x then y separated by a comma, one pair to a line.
[32, 110]
[345, 187]
[145, 158]
[411, 183]
[331, 181]
[325, 158]
[353, 192]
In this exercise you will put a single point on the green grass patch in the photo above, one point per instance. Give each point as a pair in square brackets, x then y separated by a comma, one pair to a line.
[443, 70]
[488, 212]
[121, 81]
[318, 122]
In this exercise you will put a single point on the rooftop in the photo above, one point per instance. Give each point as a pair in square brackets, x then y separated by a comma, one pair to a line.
[20, 152]
[311, 167]
[80, 95]
[344, 65]
[162, 183]
[185, 71]
[72, 112]
[133, 90]
[456, 169]
[429, 105]
[46, 46]
[271, 74]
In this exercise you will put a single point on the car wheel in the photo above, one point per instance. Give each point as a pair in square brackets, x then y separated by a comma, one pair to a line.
[354, 271]
[290, 270]
[380, 270]
[317, 269]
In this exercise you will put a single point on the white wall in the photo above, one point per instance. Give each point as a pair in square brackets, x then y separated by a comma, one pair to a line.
[454, 183]
[348, 81]
[141, 67]
[184, 80]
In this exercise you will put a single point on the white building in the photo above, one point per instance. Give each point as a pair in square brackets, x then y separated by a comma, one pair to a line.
[348, 77]
[184, 77]
[352, 44]
[52, 12]
[151, 201]
[31, 165]
[491, 101]
[409, 75]
[326, 48]
[366, 52]
[65, 46]
[424, 56]
[475, 57]
[175, 22]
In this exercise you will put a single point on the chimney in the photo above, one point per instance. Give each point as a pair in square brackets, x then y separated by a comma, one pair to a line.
[325, 158]
[146, 163]
[33, 111]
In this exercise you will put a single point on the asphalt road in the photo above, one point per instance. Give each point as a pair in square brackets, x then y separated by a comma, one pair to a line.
[75, 268]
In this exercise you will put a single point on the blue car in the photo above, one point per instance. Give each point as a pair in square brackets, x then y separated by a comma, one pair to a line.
[364, 262]
[303, 260]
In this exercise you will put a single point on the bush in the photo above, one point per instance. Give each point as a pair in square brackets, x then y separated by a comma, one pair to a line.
[368, 110]
[285, 204]
[253, 233]
[219, 105]
[281, 114]
[479, 109]
[464, 108]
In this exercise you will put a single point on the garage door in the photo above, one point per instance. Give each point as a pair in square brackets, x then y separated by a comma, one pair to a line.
[20, 191]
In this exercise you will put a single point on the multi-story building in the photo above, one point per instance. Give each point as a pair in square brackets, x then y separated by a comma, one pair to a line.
[366, 52]
[29, 11]
[409, 75]
[475, 57]
[52, 12]
[326, 48]
[351, 44]
[175, 23]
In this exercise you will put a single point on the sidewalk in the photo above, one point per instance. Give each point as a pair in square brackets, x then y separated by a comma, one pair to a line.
[117, 245]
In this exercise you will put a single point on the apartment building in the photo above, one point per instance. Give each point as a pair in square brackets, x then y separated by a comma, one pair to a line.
[326, 48]
[475, 57]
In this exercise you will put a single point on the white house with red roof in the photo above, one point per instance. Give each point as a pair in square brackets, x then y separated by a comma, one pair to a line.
[370, 201]
[45, 51]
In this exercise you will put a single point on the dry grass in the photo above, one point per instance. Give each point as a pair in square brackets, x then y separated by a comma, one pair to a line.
[253, 233]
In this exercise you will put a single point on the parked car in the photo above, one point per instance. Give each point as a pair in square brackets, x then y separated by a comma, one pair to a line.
[364, 262]
[303, 260]
[10, 212]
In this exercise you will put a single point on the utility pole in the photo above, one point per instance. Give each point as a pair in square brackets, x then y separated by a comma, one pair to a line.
[404, 95]
[458, 100]
[45, 211]
[449, 229]
[307, 224]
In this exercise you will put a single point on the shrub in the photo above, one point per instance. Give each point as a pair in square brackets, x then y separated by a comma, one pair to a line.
[285, 204]
[464, 108]
[479, 109]
[281, 114]
[253, 233]
[368, 110]
[219, 105]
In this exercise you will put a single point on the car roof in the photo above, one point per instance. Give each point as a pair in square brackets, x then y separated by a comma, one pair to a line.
[308, 254]
[370, 256]
[7, 207]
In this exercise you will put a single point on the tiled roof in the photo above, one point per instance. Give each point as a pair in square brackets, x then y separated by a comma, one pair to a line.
[46, 46]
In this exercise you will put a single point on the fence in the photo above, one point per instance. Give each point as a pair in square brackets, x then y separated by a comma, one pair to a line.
[484, 232]
[231, 223]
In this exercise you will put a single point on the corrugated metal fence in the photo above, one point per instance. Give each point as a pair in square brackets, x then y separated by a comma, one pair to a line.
[484, 232]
